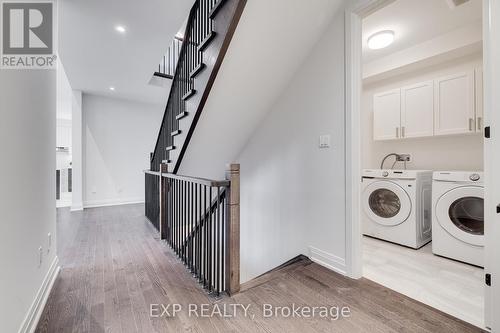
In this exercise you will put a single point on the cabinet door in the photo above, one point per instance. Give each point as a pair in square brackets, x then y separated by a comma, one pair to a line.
[387, 115]
[454, 104]
[479, 98]
[417, 110]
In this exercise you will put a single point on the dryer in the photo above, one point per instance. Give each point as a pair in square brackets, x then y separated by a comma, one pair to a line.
[396, 206]
[458, 218]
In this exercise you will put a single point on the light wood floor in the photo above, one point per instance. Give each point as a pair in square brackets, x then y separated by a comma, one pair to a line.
[450, 286]
[114, 267]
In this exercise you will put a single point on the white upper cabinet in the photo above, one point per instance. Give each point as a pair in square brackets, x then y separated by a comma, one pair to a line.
[387, 115]
[417, 110]
[454, 104]
[478, 77]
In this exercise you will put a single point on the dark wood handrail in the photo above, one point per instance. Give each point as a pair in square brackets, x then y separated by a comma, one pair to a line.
[196, 180]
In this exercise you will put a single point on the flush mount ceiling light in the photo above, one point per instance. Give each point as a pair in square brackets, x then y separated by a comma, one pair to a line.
[121, 29]
[112, 88]
[381, 39]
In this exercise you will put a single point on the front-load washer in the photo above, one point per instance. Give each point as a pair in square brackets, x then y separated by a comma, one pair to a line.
[458, 218]
[396, 206]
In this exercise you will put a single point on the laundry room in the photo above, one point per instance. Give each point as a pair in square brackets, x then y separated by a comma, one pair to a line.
[422, 130]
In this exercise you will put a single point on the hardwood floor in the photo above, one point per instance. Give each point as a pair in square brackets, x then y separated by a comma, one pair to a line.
[115, 267]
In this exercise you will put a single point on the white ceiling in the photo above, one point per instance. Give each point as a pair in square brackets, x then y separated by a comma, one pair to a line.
[416, 21]
[95, 56]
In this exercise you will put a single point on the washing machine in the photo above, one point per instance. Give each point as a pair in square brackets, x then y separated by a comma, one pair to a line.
[458, 218]
[396, 206]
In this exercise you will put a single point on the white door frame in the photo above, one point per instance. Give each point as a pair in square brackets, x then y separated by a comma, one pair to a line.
[353, 85]
[491, 77]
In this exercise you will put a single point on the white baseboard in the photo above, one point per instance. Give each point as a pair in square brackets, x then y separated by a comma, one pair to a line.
[327, 260]
[112, 202]
[76, 208]
[35, 312]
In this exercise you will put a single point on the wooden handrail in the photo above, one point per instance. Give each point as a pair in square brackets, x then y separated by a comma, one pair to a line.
[196, 180]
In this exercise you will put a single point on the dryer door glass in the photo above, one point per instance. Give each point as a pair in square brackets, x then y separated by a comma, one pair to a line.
[384, 203]
[467, 214]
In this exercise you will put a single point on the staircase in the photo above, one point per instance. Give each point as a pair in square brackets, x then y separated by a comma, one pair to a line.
[209, 29]
[198, 218]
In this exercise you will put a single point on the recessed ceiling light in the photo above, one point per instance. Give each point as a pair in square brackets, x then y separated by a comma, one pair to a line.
[120, 29]
[381, 39]
[112, 88]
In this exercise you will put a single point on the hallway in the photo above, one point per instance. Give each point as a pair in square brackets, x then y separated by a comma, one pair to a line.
[114, 267]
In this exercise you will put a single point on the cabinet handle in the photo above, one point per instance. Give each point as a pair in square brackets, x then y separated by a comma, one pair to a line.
[479, 124]
[403, 130]
[471, 127]
[397, 132]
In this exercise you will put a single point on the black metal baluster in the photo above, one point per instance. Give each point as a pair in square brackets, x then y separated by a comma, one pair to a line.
[217, 243]
[198, 233]
[184, 220]
[224, 233]
[210, 244]
[191, 226]
[205, 246]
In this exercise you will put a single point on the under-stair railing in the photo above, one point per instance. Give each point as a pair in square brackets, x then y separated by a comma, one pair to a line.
[199, 219]
[168, 63]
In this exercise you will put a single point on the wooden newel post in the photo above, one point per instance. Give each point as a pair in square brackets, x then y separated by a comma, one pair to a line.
[163, 198]
[233, 230]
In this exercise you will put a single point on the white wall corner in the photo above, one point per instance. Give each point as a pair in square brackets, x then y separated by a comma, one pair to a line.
[327, 260]
[35, 311]
[77, 143]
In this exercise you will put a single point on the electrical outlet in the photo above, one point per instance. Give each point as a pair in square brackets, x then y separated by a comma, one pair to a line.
[49, 242]
[40, 256]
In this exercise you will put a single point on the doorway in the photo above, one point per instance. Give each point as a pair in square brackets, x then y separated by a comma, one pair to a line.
[354, 140]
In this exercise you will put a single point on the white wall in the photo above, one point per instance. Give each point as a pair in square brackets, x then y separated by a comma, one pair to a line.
[292, 192]
[118, 136]
[77, 150]
[458, 152]
[27, 191]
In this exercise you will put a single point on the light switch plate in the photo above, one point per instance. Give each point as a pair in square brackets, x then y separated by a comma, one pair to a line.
[324, 141]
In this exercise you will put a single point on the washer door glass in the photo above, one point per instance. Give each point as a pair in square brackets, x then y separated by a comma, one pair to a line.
[385, 203]
[468, 214]
[460, 212]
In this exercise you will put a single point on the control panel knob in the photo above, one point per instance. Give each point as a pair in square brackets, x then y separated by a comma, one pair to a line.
[385, 174]
[475, 177]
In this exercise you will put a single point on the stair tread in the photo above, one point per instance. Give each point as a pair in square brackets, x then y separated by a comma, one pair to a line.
[182, 115]
[198, 69]
[203, 45]
[218, 5]
[190, 93]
